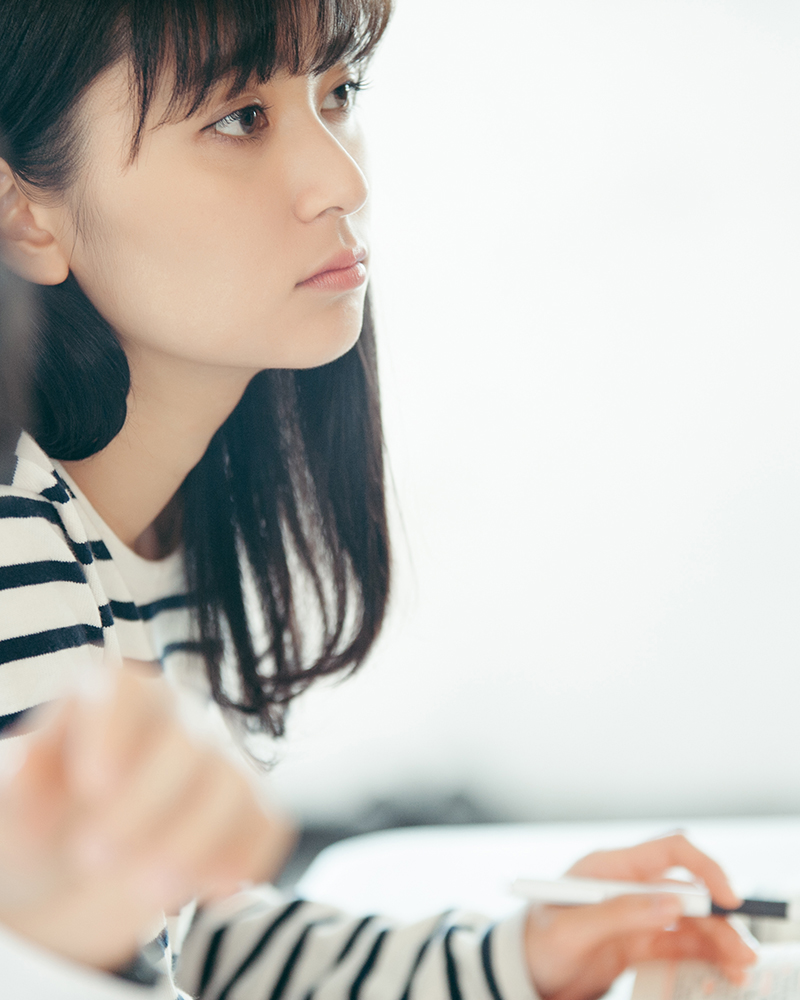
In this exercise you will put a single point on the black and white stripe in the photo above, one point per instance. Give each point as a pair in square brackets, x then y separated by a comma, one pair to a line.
[276, 949]
[71, 593]
[64, 598]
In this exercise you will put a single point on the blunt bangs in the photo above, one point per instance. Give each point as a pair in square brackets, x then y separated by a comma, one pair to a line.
[203, 42]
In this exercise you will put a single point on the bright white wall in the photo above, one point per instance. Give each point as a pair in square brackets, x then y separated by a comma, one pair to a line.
[587, 241]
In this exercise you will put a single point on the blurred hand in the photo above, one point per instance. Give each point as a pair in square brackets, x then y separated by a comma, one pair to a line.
[575, 953]
[119, 814]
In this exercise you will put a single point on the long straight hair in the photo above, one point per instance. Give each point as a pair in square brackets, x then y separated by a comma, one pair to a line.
[288, 500]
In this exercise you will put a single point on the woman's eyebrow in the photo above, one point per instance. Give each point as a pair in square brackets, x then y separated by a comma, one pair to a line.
[182, 107]
[229, 86]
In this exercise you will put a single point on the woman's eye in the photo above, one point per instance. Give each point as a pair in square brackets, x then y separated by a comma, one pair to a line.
[242, 123]
[343, 97]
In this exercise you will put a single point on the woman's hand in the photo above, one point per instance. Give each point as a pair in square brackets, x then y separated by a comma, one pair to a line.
[575, 953]
[119, 814]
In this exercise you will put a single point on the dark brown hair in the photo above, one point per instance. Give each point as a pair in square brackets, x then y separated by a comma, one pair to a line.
[290, 493]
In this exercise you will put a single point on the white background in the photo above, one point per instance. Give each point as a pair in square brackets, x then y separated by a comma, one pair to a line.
[586, 244]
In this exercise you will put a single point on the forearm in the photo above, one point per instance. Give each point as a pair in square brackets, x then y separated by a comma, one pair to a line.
[265, 945]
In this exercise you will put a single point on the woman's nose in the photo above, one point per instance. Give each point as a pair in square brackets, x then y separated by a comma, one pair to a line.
[326, 177]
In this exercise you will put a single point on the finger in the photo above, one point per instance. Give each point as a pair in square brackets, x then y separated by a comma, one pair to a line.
[651, 859]
[141, 802]
[237, 858]
[682, 852]
[721, 943]
[109, 735]
[693, 940]
[260, 854]
[222, 837]
[583, 929]
[735, 975]
[36, 795]
[34, 812]
[731, 947]
[260, 846]
[201, 844]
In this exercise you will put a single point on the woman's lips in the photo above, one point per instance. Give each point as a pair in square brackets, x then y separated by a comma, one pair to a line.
[341, 279]
[340, 273]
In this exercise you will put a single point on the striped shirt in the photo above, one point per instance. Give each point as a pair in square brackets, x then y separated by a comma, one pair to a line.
[72, 593]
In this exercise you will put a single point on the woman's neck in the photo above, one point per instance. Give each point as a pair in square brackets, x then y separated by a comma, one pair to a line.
[174, 410]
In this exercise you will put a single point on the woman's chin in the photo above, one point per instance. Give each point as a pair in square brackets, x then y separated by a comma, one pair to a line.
[323, 351]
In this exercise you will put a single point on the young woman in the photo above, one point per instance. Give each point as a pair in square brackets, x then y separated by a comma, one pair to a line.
[200, 486]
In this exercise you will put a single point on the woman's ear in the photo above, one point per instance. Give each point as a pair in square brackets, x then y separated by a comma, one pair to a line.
[27, 245]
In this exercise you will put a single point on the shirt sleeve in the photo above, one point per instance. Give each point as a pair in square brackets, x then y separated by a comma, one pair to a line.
[261, 945]
[32, 973]
[50, 621]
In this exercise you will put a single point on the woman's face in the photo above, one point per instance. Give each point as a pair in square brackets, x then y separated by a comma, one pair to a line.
[199, 250]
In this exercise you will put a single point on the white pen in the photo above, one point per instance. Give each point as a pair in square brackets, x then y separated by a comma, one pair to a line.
[695, 900]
